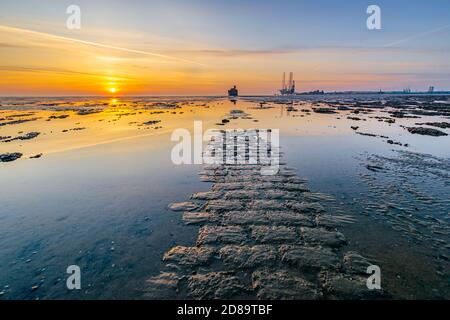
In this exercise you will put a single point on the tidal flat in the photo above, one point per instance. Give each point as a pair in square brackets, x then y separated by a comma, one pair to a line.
[89, 181]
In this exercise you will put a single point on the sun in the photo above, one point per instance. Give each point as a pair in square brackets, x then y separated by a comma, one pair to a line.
[112, 90]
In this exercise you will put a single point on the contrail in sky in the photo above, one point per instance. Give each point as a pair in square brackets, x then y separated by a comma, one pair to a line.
[96, 44]
[418, 35]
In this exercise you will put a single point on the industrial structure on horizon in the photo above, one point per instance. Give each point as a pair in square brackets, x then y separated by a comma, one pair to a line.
[289, 88]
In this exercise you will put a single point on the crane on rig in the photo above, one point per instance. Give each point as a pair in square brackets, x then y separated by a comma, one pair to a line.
[289, 88]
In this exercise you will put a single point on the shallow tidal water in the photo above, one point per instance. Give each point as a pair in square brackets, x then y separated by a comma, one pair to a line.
[98, 195]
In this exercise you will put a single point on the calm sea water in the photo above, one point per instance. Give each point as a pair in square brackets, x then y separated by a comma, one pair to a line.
[98, 198]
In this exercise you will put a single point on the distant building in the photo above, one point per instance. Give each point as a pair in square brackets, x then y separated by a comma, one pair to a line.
[313, 92]
[233, 92]
[431, 89]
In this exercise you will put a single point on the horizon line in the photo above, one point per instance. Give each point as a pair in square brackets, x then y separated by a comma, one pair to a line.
[226, 96]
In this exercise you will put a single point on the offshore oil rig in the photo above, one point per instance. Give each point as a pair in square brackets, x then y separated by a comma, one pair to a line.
[289, 88]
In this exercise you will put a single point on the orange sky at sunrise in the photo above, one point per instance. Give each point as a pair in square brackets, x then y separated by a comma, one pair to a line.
[40, 56]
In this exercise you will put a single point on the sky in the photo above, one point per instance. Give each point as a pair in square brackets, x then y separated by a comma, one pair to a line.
[203, 47]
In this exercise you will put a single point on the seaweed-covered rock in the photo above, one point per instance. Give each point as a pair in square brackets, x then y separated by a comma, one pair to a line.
[426, 131]
[151, 122]
[309, 257]
[266, 205]
[275, 234]
[198, 217]
[27, 136]
[324, 110]
[36, 156]
[442, 125]
[189, 256]
[279, 194]
[215, 285]
[223, 205]
[241, 194]
[342, 286]
[8, 157]
[163, 286]
[248, 256]
[298, 187]
[319, 236]
[283, 285]
[245, 217]
[183, 206]
[210, 195]
[305, 207]
[355, 263]
[221, 235]
[289, 218]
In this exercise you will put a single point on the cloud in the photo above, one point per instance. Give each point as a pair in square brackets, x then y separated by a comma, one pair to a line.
[235, 52]
[330, 50]
[96, 44]
[51, 70]
[9, 45]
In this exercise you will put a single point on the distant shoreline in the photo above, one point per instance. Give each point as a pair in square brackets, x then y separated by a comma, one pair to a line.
[437, 93]
[381, 93]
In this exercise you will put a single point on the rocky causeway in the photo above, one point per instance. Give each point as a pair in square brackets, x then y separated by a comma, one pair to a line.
[261, 237]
